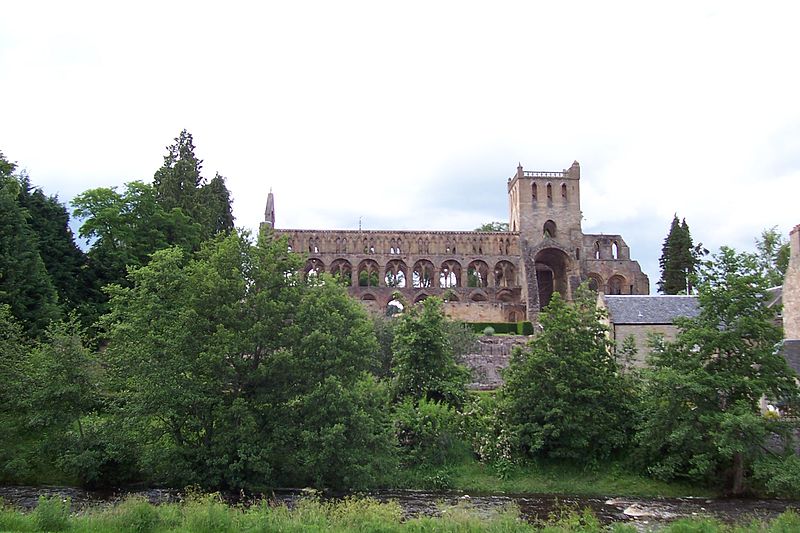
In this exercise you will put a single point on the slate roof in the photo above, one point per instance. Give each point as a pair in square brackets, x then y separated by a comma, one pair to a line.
[791, 351]
[660, 309]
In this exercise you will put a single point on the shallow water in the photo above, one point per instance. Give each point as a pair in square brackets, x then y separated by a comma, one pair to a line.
[642, 512]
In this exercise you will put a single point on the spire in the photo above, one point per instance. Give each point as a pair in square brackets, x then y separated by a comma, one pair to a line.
[269, 212]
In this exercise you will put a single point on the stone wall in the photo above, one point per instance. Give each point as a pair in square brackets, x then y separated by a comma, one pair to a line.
[641, 333]
[489, 360]
[791, 289]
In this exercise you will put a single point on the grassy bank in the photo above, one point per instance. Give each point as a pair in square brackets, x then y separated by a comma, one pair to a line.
[546, 478]
[209, 514]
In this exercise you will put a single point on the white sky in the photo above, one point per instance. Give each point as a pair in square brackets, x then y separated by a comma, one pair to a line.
[412, 115]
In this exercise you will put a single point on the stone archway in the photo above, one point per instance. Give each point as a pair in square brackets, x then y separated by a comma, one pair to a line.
[551, 266]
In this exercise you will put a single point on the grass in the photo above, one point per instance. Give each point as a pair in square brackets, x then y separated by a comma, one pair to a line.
[545, 478]
[208, 514]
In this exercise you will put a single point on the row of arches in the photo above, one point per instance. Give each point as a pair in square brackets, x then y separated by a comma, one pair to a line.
[548, 191]
[423, 274]
[605, 251]
[616, 284]
[397, 245]
[476, 296]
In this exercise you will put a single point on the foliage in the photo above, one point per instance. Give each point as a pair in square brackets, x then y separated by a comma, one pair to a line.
[679, 258]
[423, 364]
[179, 185]
[237, 373]
[772, 251]
[52, 514]
[484, 424]
[493, 226]
[700, 414]
[778, 476]
[564, 396]
[24, 282]
[428, 432]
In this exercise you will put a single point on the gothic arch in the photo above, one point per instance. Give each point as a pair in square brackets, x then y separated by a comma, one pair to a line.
[422, 275]
[368, 273]
[595, 281]
[478, 274]
[450, 274]
[395, 274]
[342, 269]
[478, 296]
[551, 266]
[314, 267]
[549, 230]
[616, 285]
[505, 274]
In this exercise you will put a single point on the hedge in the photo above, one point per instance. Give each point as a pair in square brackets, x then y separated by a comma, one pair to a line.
[508, 328]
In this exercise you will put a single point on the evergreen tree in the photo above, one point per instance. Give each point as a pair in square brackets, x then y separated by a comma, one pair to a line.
[678, 259]
[773, 255]
[65, 262]
[24, 282]
[179, 184]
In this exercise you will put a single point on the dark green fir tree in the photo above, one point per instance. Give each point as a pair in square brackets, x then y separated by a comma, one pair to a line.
[678, 260]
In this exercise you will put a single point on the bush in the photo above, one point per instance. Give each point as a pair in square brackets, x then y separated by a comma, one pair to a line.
[488, 331]
[52, 514]
[778, 476]
[428, 433]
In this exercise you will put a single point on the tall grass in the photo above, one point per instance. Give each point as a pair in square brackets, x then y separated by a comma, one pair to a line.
[209, 514]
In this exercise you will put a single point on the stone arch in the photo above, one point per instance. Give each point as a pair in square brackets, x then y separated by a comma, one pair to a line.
[505, 296]
[616, 285]
[615, 249]
[314, 267]
[368, 273]
[343, 270]
[597, 249]
[549, 230]
[395, 274]
[450, 274]
[394, 307]
[420, 297]
[551, 274]
[422, 275]
[368, 297]
[595, 281]
[479, 296]
[478, 274]
[505, 274]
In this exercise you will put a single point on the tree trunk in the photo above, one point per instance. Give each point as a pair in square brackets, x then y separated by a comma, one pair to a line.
[738, 474]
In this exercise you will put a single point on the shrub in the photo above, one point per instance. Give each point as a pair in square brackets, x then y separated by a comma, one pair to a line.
[52, 514]
[427, 432]
[778, 476]
[488, 331]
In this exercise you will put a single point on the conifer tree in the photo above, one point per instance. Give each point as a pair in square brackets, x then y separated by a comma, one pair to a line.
[678, 259]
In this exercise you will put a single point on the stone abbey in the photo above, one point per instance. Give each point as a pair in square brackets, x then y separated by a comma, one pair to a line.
[503, 276]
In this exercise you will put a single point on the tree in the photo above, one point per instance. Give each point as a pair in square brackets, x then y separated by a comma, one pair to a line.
[239, 373]
[127, 227]
[24, 282]
[423, 363]
[678, 260]
[564, 395]
[700, 415]
[773, 256]
[179, 184]
[493, 226]
[65, 263]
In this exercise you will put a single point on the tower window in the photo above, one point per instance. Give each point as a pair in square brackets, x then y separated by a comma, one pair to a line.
[564, 191]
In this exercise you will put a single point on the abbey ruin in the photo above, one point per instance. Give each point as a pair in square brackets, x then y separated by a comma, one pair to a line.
[504, 276]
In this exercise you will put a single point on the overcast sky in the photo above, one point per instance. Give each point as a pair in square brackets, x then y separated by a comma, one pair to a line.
[412, 115]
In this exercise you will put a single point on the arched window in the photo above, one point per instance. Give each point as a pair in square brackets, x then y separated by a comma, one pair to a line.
[616, 284]
[615, 250]
[549, 192]
[578, 254]
[344, 246]
[343, 271]
[395, 275]
[505, 275]
[478, 274]
[534, 191]
[422, 274]
[314, 267]
[549, 230]
[368, 273]
[597, 249]
[564, 191]
[450, 275]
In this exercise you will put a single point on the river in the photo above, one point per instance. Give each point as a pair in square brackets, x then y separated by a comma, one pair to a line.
[642, 512]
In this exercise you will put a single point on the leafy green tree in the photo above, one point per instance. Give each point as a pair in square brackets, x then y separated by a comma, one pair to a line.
[423, 363]
[493, 226]
[125, 228]
[239, 373]
[24, 282]
[564, 395]
[700, 415]
[679, 257]
[773, 256]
